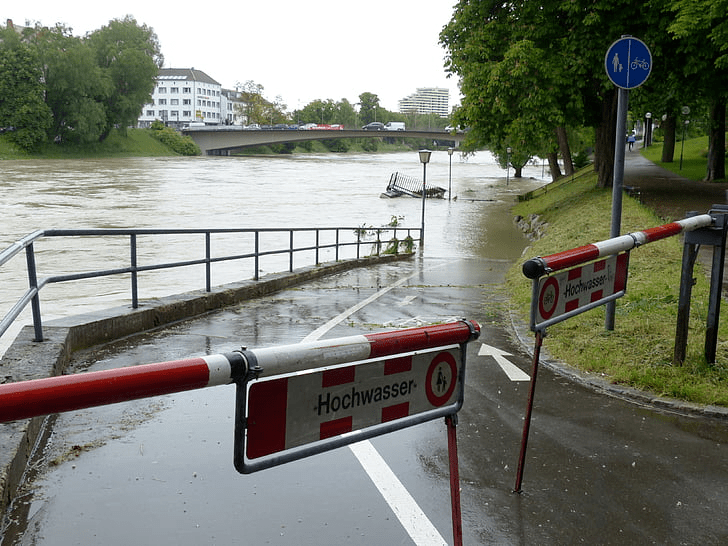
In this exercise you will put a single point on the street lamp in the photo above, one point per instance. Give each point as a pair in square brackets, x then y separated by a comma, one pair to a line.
[648, 129]
[508, 164]
[449, 183]
[424, 159]
[685, 112]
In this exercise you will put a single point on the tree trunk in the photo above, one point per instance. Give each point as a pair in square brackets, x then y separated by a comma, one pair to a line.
[604, 141]
[553, 158]
[565, 150]
[519, 171]
[716, 140]
[668, 145]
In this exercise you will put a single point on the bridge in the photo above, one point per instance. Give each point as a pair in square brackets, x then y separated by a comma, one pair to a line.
[220, 139]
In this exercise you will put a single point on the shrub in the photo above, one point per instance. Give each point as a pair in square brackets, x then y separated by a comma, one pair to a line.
[179, 143]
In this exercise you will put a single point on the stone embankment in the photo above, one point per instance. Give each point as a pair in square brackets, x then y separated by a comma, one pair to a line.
[532, 226]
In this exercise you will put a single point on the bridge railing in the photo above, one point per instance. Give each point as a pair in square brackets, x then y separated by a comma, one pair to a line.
[170, 249]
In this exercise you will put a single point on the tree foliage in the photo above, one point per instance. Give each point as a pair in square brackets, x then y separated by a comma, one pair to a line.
[130, 56]
[60, 87]
[530, 68]
[22, 110]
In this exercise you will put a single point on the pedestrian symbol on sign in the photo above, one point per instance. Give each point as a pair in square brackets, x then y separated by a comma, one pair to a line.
[617, 66]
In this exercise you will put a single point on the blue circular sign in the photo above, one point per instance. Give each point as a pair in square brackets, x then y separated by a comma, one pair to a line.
[628, 62]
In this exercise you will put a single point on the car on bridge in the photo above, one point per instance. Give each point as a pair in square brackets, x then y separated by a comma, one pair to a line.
[373, 126]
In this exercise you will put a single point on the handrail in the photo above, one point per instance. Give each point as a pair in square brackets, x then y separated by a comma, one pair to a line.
[359, 237]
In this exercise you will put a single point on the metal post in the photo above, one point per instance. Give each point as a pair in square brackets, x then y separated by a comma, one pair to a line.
[256, 276]
[529, 410]
[452, 450]
[290, 256]
[690, 253]
[449, 180]
[133, 259]
[716, 289]
[208, 273]
[617, 182]
[35, 300]
[424, 195]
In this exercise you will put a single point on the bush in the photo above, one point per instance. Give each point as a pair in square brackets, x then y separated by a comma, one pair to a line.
[177, 142]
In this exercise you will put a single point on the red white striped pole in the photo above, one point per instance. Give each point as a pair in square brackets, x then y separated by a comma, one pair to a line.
[537, 267]
[26, 399]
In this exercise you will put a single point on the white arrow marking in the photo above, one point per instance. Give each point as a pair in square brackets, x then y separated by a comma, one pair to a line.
[513, 372]
[407, 300]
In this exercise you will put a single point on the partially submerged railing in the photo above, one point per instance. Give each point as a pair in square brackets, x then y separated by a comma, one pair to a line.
[402, 184]
[333, 240]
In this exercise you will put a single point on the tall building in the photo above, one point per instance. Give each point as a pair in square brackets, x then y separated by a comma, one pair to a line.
[185, 95]
[427, 100]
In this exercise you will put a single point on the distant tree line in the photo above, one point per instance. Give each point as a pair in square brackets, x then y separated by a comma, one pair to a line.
[532, 73]
[58, 87]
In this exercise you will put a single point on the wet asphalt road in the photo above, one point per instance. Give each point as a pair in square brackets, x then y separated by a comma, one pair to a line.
[599, 470]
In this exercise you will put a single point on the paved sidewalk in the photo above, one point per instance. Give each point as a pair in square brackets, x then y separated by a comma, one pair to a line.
[668, 194]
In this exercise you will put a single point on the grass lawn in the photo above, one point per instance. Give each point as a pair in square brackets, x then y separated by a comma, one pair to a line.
[638, 352]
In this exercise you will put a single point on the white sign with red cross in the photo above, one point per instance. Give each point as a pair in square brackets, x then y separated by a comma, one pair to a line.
[293, 410]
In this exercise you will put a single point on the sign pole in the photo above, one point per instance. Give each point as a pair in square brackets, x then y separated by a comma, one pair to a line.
[529, 410]
[617, 183]
[628, 64]
[452, 449]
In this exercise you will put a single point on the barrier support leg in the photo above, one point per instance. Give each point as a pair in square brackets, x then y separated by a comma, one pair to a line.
[529, 408]
[452, 449]
[716, 290]
[690, 253]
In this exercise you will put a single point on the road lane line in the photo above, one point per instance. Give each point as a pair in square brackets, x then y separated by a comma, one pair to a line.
[409, 513]
[418, 526]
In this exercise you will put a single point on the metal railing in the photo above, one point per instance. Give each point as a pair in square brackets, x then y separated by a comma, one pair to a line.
[388, 238]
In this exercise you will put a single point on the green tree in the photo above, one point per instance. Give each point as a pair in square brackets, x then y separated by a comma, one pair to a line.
[702, 29]
[564, 59]
[76, 87]
[130, 56]
[369, 105]
[21, 92]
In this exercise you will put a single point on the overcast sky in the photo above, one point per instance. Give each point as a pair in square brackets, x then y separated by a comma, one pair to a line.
[298, 50]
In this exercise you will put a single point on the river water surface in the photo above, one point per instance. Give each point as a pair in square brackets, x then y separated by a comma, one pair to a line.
[307, 190]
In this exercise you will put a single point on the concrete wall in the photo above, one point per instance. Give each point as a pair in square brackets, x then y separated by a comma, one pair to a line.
[26, 359]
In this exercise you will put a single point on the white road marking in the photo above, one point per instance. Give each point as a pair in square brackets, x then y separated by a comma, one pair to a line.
[513, 372]
[420, 529]
[410, 515]
[407, 300]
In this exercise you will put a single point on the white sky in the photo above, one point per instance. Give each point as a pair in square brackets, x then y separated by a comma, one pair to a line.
[299, 50]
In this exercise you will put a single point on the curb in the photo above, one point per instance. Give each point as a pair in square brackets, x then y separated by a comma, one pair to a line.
[522, 334]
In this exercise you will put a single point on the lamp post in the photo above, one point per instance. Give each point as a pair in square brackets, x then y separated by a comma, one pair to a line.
[648, 129]
[508, 164]
[449, 180]
[685, 112]
[424, 159]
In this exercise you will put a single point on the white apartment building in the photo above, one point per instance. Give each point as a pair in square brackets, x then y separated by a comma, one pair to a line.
[184, 95]
[427, 100]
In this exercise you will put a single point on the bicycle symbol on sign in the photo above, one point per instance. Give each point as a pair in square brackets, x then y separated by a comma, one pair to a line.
[639, 63]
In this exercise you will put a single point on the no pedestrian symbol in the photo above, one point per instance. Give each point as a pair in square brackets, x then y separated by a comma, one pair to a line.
[628, 62]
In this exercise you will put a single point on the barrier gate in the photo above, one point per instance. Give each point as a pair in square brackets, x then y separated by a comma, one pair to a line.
[568, 283]
[297, 400]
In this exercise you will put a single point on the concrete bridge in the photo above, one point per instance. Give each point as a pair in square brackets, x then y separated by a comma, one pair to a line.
[220, 139]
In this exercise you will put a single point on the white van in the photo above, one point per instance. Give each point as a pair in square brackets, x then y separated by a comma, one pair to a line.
[394, 126]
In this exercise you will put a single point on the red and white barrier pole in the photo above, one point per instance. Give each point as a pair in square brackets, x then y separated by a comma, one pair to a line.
[26, 399]
[537, 267]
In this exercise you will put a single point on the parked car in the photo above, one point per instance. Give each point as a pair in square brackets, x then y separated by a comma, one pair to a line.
[373, 126]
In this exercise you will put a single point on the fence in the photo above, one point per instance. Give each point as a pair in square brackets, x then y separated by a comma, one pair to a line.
[336, 243]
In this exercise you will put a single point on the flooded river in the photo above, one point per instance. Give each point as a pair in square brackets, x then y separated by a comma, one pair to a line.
[307, 190]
